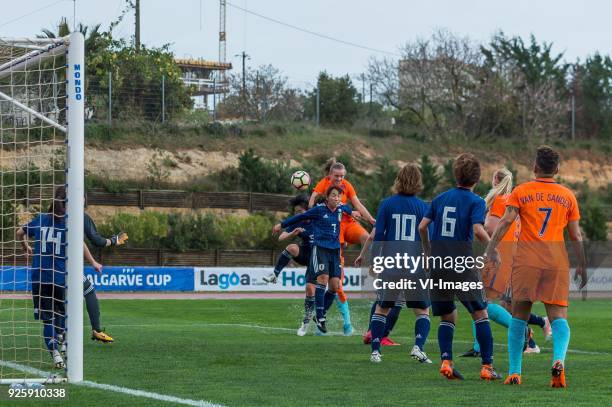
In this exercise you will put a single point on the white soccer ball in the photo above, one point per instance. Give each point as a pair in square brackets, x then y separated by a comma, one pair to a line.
[300, 180]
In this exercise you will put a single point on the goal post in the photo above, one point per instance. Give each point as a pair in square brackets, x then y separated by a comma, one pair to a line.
[42, 96]
[75, 190]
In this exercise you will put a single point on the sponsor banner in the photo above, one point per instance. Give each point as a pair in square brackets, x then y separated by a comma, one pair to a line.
[251, 279]
[112, 278]
[141, 278]
[15, 278]
[600, 279]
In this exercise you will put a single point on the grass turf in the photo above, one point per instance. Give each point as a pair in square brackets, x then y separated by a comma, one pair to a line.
[245, 353]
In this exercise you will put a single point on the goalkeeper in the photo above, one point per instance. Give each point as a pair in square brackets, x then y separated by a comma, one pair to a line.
[91, 299]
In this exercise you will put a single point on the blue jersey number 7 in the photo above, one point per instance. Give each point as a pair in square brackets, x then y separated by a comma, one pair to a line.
[546, 219]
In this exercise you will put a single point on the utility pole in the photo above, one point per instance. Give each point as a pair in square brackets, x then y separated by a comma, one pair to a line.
[362, 88]
[573, 116]
[137, 24]
[244, 94]
[318, 103]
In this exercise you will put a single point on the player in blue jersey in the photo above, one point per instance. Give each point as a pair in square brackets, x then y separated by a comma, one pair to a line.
[324, 266]
[458, 215]
[298, 253]
[48, 270]
[395, 233]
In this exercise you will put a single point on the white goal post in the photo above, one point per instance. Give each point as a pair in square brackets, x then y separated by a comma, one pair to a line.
[42, 97]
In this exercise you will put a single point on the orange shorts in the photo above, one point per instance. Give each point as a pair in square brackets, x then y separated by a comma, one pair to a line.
[535, 284]
[351, 232]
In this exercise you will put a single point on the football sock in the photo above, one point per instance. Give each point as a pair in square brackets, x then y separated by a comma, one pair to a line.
[372, 310]
[446, 330]
[516, 340]
[421, 330]
[343, 307]
[49, 335]
[93, 309]
[320, 300]
[536, 320]
[499, 314]
[484, 336]
[475, 345]
[532, 343]
[284, 259]
[309, 304]
[561, 338]
[392, 317]
[378, 328]
[328, 300]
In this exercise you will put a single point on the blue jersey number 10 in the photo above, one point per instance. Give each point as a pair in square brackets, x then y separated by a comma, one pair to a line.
[405, 226]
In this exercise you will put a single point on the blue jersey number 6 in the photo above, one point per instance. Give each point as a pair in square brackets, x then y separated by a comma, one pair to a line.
[546, 219]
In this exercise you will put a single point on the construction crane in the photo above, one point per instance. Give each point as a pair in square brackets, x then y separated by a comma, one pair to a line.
[222, 45]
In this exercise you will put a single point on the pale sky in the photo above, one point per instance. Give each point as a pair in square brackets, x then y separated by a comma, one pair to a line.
[577, 28]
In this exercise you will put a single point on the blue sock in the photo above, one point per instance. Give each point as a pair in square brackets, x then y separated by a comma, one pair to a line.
[446, 331]
[561, 338]
[344, 309]
[378, 328]
[49, 335]
[372, 314]
[421, 330]
[536, 320]
[320, 300]
[284, 259]
[475, 345]
[499, 314]
[392, 317]
[516, 340]
[532, 343]
[484, 336]
[328, 300]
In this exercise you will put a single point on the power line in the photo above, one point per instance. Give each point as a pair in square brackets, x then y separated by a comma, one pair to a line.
[324, 36]
[30, 13]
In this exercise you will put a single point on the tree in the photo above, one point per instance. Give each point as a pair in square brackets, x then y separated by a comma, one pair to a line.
[338, 100]
[267, 96]
[430, 175]
[592, 87]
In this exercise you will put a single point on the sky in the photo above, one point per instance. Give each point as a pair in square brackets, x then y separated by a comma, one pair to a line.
[191, 27]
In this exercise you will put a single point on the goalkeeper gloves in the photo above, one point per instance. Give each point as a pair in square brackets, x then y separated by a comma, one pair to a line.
[119, 239]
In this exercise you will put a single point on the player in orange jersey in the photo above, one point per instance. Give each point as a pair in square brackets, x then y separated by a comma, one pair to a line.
[540, 270]
[351, 232]
[497, 280]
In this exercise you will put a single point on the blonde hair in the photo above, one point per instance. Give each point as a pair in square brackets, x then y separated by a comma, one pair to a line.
[503, 176]
[408, 180]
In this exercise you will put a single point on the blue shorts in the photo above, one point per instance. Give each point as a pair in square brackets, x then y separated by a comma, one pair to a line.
[439, 308]
[408, 304]
[49, 301]
[323, 261]
[303, 256]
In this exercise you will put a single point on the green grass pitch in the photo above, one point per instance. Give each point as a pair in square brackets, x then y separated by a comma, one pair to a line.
[246, 353]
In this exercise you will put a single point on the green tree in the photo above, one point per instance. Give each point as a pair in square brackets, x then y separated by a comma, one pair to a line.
[592, 87]
[338, 100]
[430, 176]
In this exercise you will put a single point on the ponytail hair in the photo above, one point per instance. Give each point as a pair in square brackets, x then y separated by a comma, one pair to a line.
[503, 177]
[328, 166]
[58, 206]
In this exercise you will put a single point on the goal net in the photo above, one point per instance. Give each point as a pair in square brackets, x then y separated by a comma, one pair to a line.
[41, 155]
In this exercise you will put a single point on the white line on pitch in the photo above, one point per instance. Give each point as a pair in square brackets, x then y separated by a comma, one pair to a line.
[276, 328]
[116, 389]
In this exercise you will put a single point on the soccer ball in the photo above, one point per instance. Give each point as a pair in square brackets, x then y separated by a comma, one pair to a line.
[300, 180]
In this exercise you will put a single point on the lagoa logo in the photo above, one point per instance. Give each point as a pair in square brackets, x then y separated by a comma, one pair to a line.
[224, 280]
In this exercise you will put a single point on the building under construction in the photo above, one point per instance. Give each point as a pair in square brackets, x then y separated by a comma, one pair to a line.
[207, 79]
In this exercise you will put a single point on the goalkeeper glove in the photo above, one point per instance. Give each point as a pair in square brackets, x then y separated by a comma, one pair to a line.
[119, 239]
